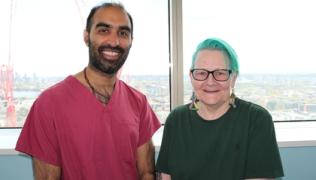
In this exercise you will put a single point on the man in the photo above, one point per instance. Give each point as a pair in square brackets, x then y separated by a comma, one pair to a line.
[92, 125]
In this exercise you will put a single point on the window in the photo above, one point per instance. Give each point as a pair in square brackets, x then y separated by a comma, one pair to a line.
[275, 42]
[42, 43]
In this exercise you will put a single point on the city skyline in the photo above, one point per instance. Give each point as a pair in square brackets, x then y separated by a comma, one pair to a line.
[287, 97]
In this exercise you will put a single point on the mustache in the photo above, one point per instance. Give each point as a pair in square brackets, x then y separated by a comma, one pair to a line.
[115, 49]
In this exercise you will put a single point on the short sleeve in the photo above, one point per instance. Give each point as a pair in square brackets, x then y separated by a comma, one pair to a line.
[38, 136]
[149, 123]
[263, 158]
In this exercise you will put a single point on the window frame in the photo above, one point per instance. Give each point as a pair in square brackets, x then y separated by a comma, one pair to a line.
[177, 97]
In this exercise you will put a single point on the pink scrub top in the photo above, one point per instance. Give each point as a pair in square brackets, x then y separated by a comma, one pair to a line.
[68, 127]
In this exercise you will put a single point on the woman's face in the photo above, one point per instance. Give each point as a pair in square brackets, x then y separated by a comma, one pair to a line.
[210, 92]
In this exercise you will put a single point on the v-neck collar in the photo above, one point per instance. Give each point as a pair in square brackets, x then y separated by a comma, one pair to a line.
[84, 91]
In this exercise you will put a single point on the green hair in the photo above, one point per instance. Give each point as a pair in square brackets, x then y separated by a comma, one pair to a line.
[218, 44]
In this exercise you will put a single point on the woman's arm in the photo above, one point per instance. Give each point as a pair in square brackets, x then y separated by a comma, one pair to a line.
[163, 176]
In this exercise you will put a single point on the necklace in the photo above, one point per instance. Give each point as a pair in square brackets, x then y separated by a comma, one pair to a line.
[101, 97]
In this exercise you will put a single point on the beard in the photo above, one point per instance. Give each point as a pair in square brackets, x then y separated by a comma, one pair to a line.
[103, 64]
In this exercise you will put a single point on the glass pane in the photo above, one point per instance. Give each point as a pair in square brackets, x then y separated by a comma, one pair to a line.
[42, 43]
[275, 42]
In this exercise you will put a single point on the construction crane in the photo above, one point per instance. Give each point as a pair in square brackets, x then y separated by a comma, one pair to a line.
[7, 73]
[6, 78]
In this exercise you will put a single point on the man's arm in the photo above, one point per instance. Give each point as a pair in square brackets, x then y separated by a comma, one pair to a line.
[146, 161]
[45, 171]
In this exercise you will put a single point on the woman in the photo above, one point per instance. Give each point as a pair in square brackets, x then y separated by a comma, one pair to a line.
[218, 136]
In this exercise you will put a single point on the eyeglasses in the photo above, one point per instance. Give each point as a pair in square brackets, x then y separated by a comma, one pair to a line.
[218, 74]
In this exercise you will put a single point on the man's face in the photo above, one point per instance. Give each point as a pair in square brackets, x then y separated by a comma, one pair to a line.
[109, 39]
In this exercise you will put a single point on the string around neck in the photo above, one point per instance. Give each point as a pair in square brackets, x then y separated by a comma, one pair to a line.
[101, 97]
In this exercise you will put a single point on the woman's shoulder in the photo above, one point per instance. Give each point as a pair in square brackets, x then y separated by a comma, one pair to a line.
[251, 106]
[182, 110]
[255, 113]
[178, 113]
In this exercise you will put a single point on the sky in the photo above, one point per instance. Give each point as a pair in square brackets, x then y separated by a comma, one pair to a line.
[268, 36]
[47, 43]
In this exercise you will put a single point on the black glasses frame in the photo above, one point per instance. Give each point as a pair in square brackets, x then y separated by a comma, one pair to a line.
[211, 72]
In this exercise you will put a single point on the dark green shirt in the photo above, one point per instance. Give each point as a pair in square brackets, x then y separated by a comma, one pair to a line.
[240, 144]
